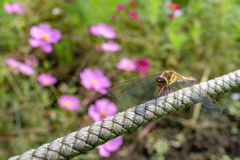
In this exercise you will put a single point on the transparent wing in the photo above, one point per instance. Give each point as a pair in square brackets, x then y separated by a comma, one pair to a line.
[216, 110]
[207, 102]
[136, 90]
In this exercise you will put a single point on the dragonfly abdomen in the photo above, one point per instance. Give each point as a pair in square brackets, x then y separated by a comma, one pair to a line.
[190, 79]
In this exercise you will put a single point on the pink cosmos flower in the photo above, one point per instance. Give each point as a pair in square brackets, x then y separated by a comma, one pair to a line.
[143, 66]
[43, 36]
[46, 79]
[94, 80]
[120, 7]
[69, 102]
[13, 64]
[110, 146]
[14, 8]
[16, 66]
[175, 9]
[126, 64]
[25, 69]
[132, 14]
[110, 46]
[32, 60]
[102, 109]
[103, 30]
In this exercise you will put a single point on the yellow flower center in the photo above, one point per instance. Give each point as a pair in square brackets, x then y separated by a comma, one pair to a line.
[102, 114]
[93, 81]
[46, 81]
[44, 37]
[68, 103]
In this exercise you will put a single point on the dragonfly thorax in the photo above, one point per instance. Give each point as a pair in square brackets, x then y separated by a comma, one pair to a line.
[161, 82]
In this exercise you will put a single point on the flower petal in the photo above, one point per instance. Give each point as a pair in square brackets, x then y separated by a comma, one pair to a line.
[86, 76]
[34, 42]
[18, 8]
[94, 30]
[87, 84]
[8, 8]
[54, 36]
[110, 46]
[114, 144]
[46, 47]
[126, 64]
[143, 66]
[106, 31]
[94, 113]
[112, 109]
[25, 69]
[44, 27]
[98, 73]
[46, 79]
[132, 14]
[102, 105]
[103, 91]
[103, 152]
[74, 102]
[104, 82]
[36, 32]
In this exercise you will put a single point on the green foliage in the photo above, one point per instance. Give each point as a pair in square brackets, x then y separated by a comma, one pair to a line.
[205, 38]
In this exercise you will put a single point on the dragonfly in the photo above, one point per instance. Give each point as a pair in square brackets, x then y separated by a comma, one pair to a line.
[159, 84]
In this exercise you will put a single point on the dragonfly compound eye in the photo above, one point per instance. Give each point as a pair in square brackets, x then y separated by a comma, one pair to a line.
[164, 80]
[159, 80]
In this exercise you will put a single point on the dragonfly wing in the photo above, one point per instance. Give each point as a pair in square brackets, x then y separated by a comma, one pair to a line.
[139, 93]
[216, 110]
[207, 102]
[136, 90]
[116, 89]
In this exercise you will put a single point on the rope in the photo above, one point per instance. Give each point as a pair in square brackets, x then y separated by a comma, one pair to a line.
[98, 133]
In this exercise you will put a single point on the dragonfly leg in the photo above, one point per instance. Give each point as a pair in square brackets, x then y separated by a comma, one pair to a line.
[166, 91]
[163, 92]
[158, 91]
[173, 88]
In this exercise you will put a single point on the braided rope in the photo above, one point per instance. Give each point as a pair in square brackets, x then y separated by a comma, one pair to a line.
[98, 133]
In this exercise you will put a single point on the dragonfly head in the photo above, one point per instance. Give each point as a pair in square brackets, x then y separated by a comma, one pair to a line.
[161, 82]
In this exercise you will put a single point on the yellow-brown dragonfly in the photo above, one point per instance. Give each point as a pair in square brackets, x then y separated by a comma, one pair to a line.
[159, 84]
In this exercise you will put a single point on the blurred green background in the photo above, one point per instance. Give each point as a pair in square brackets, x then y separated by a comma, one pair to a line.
[204, 42]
